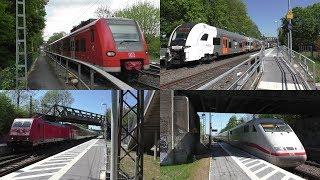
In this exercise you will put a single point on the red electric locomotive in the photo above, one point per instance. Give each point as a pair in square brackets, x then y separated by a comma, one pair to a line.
[36, 131]
[113, 44]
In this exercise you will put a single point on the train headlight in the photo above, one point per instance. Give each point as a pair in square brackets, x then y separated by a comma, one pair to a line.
[147, 52]
[111, 53]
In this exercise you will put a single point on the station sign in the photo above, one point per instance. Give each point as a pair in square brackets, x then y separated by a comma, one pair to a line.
[290, 15]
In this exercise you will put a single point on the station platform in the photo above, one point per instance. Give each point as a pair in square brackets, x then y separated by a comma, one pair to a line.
[232, 163]
[85, 161]
[278, 74]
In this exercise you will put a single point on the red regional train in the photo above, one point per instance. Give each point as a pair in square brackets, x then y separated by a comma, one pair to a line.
[113, 44]
[36, 131]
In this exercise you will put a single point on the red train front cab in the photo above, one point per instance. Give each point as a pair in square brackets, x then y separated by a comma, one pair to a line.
[123, 46]
[20, 133]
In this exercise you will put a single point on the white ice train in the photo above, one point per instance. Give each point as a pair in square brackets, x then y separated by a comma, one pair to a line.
[270, 139]
[201, 42]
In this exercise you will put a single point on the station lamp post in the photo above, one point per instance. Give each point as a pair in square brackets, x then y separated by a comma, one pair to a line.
[278, 31]
[289, 17]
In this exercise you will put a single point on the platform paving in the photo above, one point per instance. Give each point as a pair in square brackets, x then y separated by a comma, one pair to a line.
[277, 74]
[231, 163]
[85, 161]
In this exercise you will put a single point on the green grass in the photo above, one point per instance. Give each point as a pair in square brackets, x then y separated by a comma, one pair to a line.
[185, 171]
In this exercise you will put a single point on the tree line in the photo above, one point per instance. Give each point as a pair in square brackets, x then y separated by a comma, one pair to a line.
[234, 121]
[229, 15]
[35, 22]
[306, 27]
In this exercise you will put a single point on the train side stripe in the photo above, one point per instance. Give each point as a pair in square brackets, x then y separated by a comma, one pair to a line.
[273, 153]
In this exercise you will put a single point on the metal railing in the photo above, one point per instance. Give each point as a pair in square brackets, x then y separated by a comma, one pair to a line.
[255, 68]
[57, 58]
[68, 114]
[303, 65]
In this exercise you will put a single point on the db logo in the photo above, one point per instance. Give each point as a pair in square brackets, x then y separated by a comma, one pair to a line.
[131, 55]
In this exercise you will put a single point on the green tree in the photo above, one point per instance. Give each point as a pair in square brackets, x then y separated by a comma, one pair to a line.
[35, 22]
[229, 15]
[56, 36]
[8, 113]
[306, 26]
[233, 122]
[53, 97]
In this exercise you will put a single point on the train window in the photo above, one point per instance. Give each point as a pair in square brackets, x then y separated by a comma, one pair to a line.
[26, 124]
[216, 41]
[230, 44]
[92, 35]
[246, 128]
[17, 124]
[77, 45]
[272, 127]
[230, 132]
[254, 129]
[204, 37]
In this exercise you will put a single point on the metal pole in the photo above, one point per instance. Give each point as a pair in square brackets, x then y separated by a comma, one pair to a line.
[290, 34]
[210, 130]
[155, 146]
[114, 135]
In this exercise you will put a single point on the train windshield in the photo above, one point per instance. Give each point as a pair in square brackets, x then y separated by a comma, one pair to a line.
[126, 35]
[180, 36]
[21, 124]
[275, 127]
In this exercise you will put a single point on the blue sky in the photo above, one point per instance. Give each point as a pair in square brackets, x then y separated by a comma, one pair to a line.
[265, 12]
[87, 100]
[219, 120]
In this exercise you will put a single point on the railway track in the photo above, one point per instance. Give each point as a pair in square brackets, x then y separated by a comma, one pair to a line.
[196, 80]
[309, 170]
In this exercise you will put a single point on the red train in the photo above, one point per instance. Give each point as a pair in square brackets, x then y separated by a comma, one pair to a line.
[113, 44]
[36, 131]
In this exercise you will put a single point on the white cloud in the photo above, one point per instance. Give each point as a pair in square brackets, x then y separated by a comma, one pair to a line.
[62, 15]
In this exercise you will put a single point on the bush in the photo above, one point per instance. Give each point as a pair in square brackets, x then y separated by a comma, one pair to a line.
[153, 46]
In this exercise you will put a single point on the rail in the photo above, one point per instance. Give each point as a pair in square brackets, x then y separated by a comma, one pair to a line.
[303, 65]
[256, 67]
[115, 81]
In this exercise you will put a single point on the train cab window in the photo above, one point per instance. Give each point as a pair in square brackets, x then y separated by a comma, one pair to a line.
[254, 129]
[230, 44]
[92, 35]
[204, 37]
[17, 124]
[246, 128]
[216, 41]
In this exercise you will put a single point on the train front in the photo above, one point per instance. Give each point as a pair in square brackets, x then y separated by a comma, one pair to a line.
[287, 148]
[128, 49]
[20, 133]
[177, 43]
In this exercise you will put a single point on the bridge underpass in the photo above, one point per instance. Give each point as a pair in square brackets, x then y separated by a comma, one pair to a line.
[180, 131]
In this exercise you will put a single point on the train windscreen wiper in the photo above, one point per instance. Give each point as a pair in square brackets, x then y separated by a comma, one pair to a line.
[128, 41]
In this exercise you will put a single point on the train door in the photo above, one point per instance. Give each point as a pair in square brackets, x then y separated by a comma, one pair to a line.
[72, 48]
[225, 45]
[41, 132]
